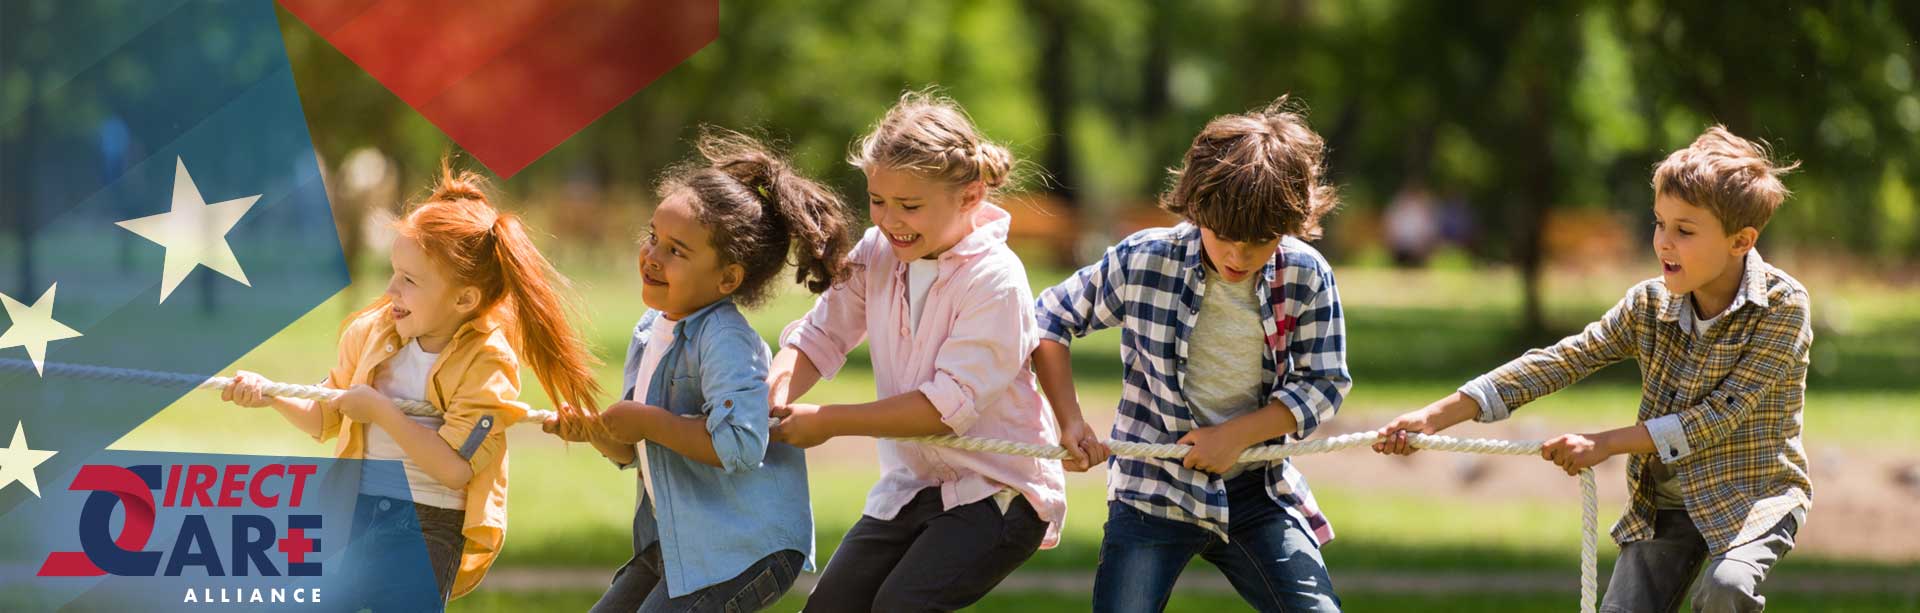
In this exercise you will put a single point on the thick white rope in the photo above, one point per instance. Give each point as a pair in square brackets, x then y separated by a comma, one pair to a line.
[1589, 496]
[169, 379]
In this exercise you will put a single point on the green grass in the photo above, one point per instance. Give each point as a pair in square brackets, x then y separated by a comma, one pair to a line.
[1412, 338]
[1360, 602]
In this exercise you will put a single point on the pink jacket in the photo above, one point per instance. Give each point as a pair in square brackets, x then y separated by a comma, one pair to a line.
[969, 356]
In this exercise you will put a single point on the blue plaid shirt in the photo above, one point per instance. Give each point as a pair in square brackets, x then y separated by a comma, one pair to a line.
[1151, 285]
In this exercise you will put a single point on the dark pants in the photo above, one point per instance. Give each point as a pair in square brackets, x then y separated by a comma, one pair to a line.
[637, 587]
[1269, 557]
[385, 552]
[926, 558]
[1656, 574]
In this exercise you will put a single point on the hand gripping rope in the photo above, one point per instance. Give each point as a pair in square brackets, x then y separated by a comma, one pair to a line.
[1589, 497]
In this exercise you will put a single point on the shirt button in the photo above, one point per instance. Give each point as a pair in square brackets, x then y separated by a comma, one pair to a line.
[727, 403]
[903, 331]
[385, 505]
[389, 347]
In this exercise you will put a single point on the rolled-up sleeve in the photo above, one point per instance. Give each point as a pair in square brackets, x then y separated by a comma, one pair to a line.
[733, 378]
[1319, 382]
[1088, 300]
[1669, 437]
[838, 320]
[482, 407]
[982, 355]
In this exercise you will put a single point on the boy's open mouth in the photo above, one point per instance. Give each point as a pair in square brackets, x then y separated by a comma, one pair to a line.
[400, 313]
[1669, 267]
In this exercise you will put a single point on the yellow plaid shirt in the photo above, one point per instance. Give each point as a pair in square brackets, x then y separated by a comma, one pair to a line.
[1724, 406]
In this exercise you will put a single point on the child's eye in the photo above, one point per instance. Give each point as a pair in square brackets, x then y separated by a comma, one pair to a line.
[1684, 232]
[909, 208]
[876, 203]
[675, 251]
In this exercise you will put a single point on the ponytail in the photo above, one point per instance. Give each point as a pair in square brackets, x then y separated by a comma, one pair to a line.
[544, 338]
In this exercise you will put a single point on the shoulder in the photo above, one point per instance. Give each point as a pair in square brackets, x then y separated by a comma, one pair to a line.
[1782, 290]
[726, 329]
[870, 250]
[1164, 243]
[491, 351]
[363, 326]
[996, 271]
[1301, 263]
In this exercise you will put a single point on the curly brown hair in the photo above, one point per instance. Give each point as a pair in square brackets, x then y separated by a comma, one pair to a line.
[758, 210]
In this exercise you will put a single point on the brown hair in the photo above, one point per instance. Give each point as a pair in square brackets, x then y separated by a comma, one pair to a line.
[484, 248]
[1733, 177]
[758, 209]
[929, 135]
[1254, 176]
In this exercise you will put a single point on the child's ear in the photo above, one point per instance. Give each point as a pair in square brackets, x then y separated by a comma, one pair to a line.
[731, 277]
[1744, 240]
[972, 194]
[467, 300]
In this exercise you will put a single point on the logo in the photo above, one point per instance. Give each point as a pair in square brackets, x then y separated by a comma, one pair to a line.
[255, 544]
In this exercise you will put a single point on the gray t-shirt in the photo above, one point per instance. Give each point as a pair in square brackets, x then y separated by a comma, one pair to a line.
[1224, 354]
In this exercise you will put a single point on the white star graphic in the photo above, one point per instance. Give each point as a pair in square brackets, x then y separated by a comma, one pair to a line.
[194, 232]
[17, 461]
[33, 327]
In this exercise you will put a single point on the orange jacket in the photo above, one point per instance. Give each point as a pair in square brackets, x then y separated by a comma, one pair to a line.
[474, 383]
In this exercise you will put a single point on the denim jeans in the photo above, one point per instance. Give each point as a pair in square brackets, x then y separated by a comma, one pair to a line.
[637, 587]
[1656, 574]
[1269, 557]
[385, 549]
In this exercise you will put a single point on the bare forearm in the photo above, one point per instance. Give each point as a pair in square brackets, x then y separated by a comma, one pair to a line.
[1634, 439]
[793, 375]
[631, 422]
[909, 414]
[621, 453]
[302, 413]
[1270, 422]
[1452, 410]
[1053, 367]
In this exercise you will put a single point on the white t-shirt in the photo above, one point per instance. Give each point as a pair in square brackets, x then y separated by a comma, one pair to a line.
[920, 274]
[660, 337]
[405, 376]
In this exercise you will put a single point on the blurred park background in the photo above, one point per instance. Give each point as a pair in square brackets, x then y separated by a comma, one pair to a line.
[1494, 159]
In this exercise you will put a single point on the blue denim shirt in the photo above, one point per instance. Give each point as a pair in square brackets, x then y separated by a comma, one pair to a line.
[712, 523]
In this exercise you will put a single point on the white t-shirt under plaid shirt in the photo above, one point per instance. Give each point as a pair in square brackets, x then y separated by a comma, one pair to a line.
[1149, 285]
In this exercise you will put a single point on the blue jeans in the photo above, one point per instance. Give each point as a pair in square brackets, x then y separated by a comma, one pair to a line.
[1269, 558]
[390, 567]
[637, 587]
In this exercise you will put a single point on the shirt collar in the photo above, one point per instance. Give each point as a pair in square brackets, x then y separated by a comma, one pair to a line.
[990, 226]
[1753, 289]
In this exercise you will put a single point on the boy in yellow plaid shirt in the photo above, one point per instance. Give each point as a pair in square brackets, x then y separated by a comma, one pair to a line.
[1715, 470]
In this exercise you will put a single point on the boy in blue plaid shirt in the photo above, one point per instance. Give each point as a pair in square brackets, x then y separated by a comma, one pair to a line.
[1716, 475]
[1200, 304]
